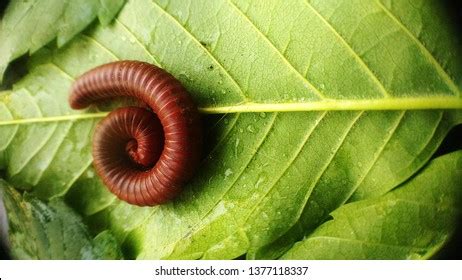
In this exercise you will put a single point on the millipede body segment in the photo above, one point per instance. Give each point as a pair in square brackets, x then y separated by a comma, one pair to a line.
[143, 155]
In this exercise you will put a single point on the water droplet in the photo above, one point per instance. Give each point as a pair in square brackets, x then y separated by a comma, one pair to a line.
[236, 146]
[5, 98]
[90, 174]
[285, 97]
[93, 57]
[322, 86]
[241, 130]
[183, 77]
[250, 128]
[260, 181]
[228, 172]
[152, 36]
[262, 115]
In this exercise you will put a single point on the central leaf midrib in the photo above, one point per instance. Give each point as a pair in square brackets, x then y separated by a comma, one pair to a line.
[396, 104]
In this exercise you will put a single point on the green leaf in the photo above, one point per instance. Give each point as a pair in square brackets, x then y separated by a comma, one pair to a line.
[51, 231]
[361, 55]
[411, 222]
[29, 25]
[265, 173]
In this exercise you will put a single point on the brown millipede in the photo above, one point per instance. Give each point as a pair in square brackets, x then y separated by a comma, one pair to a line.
[143, 155]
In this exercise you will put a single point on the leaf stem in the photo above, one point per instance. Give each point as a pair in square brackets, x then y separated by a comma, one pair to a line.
[325, 105]
[342, 105]
[55, 119]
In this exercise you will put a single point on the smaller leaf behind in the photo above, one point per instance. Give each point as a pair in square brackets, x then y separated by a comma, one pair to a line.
[29, 25]
[411, 222]
[51, 231]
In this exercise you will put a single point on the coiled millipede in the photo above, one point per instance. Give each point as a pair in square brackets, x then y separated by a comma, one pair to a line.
[143, 155]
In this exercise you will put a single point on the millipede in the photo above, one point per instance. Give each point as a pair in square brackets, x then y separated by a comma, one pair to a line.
[144, 155]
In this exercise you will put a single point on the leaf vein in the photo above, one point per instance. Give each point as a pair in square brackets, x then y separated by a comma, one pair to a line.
[278, 52]
[53, 154]
[328, 163]
[439, 68]
[101, 46]
[259, 145]
[377, 156]
[137, 40]
[437, 125]
[289, 164]
[15, 130]
[367, 242]
[362, 63]
[39, 147]
[194, 39]
[225, 136]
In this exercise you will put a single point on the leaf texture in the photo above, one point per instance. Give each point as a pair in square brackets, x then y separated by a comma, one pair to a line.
[267, 176]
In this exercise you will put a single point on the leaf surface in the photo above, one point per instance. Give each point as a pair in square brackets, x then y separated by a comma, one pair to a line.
[265, 174]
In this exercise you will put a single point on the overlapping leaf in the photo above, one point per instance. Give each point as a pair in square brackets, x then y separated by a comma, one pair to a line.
[51, 231]
[411, 222]
[267, 174]
[29, 25]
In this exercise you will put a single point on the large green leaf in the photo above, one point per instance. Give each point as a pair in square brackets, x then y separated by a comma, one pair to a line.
[338, 54]
[29, 25]
[51, 231]
[265, 174]
[411, 222]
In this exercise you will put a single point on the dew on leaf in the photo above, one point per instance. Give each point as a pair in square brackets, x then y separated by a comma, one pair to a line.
[236, 146]
[250, 128]
[228, 172]
[260, 181]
